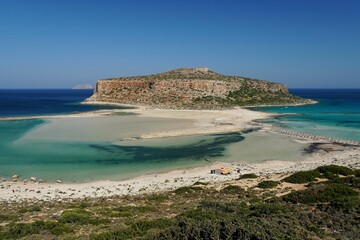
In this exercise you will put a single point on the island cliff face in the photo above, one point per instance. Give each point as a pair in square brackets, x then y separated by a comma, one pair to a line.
[192, 88]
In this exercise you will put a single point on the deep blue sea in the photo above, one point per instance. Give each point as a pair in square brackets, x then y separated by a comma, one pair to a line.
[336, 115]
[26, 102]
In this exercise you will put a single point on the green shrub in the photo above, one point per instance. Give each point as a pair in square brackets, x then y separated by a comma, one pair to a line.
[75, 217]
[120, 234]
[232, 189]
[268, 184]
[330, 175]
[345, 171]
[349, 181]
[140, 209]
[261, 209]
[357, 173]
[20, 230]
[80, 217]
[31, 209]
[81, 205]
[142, 226]
[183, 190]
[157, 197]
[59, 229]
[321, 194]
[119, 214]
[302, 177]
[248, 176]
[135, 230]
[346, 203]
[7, 217]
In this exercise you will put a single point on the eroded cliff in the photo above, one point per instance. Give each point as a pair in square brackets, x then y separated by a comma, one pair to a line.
[192, 88]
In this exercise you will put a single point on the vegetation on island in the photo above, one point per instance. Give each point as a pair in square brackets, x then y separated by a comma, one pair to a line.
[326, 209]
[195, 88]
[250, 95]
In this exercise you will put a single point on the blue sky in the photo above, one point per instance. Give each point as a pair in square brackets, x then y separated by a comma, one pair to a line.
[59, 44]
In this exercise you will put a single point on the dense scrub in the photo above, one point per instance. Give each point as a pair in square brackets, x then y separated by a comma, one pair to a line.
[302, 177]
[247, 176]
[268, 184]
[329, 209]
[329, 172]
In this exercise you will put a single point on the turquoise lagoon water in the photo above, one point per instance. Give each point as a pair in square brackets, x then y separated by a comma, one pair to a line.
[336, 115]
[88, 160]
[30, 148]
[90, 149]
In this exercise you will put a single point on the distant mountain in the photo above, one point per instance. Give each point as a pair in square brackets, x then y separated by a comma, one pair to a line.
[198, 88]
[83, 86]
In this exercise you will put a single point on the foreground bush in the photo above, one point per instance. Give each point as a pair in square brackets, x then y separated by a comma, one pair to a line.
[232, 189]
[248, 176]
[321, 194]
[135, 229]
[335, 169]
[184, 190]
[80, 217]
[302, 177]
[20, 230]
[326, 210]
[236, 220]
[268, 184]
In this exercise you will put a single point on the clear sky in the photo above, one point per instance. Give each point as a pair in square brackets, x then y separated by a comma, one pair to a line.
[59, 44]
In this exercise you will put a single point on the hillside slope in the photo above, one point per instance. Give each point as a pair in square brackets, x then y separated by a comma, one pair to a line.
[193, 88]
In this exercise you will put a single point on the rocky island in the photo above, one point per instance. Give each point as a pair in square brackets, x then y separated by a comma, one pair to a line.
[198, 88]
[82, 86]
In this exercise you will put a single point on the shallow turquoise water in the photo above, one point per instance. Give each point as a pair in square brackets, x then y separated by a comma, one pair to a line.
[336, 115]
[87, 160]
[32, 148]
[91, 149]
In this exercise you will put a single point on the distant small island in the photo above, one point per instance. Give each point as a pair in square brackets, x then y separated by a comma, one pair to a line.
[83, 86]
[193, 88]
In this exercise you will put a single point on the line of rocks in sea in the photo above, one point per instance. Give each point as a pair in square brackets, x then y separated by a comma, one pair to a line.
[313, 137]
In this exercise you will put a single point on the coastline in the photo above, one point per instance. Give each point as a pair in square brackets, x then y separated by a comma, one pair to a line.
[33, 191]
[204, 122]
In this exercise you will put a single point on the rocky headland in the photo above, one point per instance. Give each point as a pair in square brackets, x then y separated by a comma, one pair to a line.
[197, 88]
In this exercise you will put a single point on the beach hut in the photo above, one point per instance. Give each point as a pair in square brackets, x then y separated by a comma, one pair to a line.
[221, 171]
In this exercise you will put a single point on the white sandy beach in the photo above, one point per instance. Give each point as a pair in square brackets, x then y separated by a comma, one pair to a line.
[201, 122]
[34, 191]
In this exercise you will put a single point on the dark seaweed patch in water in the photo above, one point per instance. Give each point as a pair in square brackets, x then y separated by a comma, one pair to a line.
[250, 130]
[213, 147]
[326, 147]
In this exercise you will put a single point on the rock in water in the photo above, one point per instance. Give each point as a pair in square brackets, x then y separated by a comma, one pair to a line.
[83, 86]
